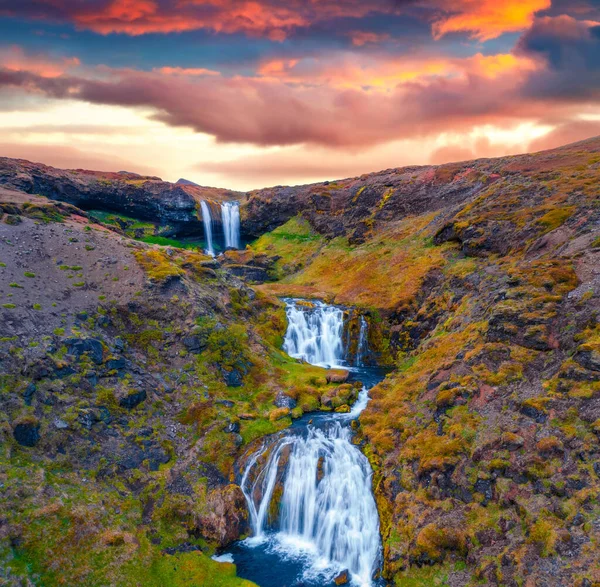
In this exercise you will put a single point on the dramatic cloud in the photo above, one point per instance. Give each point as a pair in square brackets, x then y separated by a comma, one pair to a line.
[272, 112]
[317, 87]
[275, 19]
[570, 50]
[488, 19]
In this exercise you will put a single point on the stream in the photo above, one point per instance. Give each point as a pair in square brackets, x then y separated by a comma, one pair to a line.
[309, 489]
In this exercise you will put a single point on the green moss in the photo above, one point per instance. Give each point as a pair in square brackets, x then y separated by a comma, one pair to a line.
[9, 306]
[29, 274]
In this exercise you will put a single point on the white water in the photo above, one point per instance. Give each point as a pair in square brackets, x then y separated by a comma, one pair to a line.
[363, 343]
[331, 522]
[327, 515]
[208, 225]
[314, 333]
[230, 215]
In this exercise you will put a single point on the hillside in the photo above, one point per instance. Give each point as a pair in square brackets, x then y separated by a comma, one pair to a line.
[135, 376]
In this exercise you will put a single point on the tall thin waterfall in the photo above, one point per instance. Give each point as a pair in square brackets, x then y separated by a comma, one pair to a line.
[230, 215]
[208, 226]
[315, 333]
[362, 348]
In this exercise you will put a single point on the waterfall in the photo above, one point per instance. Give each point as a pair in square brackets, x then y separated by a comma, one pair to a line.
[230, 215]
[327, 510]
[362, 348]
[208, 225]
[314, 333]
[309, 492]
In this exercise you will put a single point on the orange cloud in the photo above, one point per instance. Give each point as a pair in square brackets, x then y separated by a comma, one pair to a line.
[349, 70]
[488, 19]
[192, 71]
[15, 59]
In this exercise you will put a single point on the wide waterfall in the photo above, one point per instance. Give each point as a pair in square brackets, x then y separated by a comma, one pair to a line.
[208, 226]
[315, 333]
[309, 496]
[230, 215]
[327, 510]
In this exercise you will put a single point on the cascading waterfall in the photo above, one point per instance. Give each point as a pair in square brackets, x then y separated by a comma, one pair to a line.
[362, 348]
[327, 509]
[230, 216]
[208, 226]
[315, 333]
[312, 478]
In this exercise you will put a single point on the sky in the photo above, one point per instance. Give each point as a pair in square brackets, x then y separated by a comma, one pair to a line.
[253, 93]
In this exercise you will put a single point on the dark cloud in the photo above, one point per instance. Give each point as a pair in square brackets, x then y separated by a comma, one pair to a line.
[571, 50]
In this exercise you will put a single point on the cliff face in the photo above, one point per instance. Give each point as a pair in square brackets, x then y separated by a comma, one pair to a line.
[125, 366]
[145, 198]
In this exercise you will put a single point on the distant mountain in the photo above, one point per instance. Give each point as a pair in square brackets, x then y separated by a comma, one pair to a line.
[183, 181]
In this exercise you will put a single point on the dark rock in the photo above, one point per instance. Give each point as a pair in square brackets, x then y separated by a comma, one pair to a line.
[79, 346]
[92, 378]
[194, 344]
[249, 273]
[185, 547]
[534, 413]
[486, 487]
[28, 393]
[285, 401]
[342, 578]
[104, 415]
[180, 486]
[588, 359]
[232, 428]
[87, 418]
[132, 400]
[64, 371]
[156, 456]
[27, 433]
[234, 377]
[225, 402]
[116, 364]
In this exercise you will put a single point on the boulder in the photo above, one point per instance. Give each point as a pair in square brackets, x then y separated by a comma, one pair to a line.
[588, 359]
[225, 516]
[27, 431]
[342, 578]
[133, 399]
[284, 401]
[28, 393]
[194, 344]
[90, 346]
[337, 376]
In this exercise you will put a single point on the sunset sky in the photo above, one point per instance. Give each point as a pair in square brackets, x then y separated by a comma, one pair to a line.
[246, 94]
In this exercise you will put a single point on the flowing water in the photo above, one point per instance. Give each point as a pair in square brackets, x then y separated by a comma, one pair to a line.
[362, 348]
[315, 333]
[312, 510]
[208, 228]
[230, 216]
